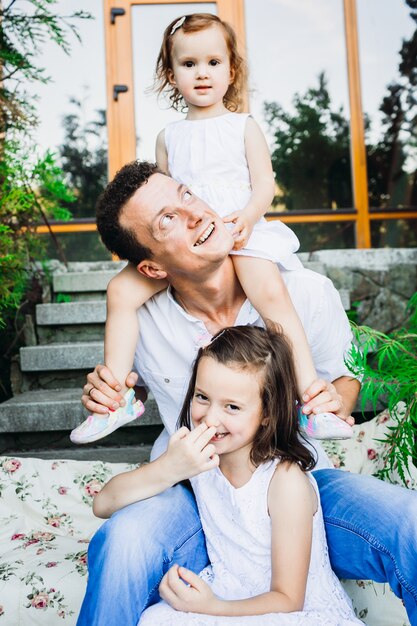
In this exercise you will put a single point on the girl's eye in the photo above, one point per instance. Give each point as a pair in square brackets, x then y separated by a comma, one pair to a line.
[188, 64]
[165, 220]
[200, 396]
[214, 62]
[233, 407]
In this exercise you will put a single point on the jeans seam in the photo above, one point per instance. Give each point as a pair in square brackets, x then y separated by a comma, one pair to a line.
[168, 560]
[337, 522]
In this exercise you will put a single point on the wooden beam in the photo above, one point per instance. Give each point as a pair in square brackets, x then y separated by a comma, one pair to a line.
[357, 134]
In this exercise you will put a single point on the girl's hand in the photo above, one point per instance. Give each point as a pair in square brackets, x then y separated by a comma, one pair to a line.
[243, 226]
[190, 452]
[185, 591]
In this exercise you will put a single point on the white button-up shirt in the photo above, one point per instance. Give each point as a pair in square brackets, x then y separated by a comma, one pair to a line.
[170, 338]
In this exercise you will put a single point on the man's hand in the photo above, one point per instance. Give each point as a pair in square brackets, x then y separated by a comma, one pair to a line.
[190, 452]
[102, 390]
[192, 596]
[243, 226]
[322, 397]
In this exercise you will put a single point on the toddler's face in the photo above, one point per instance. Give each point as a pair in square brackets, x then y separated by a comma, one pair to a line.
[201, 67]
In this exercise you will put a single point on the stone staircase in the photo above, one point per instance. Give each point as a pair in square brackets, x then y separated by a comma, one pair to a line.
[67, 343]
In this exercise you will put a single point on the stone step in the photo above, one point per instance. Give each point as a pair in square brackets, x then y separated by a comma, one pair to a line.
[122, 454]
[56, 410]
[61, 356]
[90, 280]
[73, 282]
[68, 313]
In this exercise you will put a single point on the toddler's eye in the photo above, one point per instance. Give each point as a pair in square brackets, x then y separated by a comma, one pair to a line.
[188, 64]
[214, 62]
[166, 219]
[233, 407]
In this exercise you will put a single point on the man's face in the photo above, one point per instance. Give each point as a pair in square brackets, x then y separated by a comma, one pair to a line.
[183, 233]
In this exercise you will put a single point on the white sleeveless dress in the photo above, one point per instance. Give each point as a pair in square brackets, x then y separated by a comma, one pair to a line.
[237, 528]
[209, 157]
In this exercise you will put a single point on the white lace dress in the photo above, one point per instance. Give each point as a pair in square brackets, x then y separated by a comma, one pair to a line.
[209, 156]
[238, 535]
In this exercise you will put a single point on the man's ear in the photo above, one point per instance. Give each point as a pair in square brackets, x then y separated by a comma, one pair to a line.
[151, 270]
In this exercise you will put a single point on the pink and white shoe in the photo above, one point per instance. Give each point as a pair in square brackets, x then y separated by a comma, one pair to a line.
[95, 427]
[325, 426]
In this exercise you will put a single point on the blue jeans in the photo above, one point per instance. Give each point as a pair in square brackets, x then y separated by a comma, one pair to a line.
[371, 530]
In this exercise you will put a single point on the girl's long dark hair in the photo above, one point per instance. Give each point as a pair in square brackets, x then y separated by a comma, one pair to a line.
[266, 352]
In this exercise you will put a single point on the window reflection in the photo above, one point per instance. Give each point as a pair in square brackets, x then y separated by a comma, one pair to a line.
[387, 37]
[297, 64]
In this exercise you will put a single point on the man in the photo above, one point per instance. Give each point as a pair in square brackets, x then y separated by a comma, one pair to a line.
[168, 233]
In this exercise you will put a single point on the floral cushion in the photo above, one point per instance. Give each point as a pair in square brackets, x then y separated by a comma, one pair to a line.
[46, 523]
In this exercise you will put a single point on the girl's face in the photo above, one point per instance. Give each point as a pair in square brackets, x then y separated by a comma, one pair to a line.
[201, 69]
[229, 399]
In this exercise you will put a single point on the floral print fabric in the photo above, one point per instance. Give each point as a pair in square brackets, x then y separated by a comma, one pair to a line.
[46, 523]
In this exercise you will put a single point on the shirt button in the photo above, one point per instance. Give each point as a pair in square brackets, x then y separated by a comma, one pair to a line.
[166, 380]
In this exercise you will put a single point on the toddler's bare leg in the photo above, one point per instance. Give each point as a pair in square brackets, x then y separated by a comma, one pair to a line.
[126, 292]
[264, 286]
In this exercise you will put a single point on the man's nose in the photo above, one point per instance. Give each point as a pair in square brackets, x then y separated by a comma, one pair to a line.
[194, 216]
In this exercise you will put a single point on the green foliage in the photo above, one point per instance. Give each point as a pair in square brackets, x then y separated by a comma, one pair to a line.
[388, 365]
[30, 194]
[24, 29]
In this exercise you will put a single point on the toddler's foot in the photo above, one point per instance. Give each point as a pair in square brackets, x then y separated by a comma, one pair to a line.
[94, 427]
[325, 426]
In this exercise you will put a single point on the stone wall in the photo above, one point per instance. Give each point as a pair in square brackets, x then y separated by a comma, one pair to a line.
[380, 281]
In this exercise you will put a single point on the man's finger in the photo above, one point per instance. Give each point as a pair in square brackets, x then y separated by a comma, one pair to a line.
[92, 406]
[314, 389]
[106, 376]
[105, 400]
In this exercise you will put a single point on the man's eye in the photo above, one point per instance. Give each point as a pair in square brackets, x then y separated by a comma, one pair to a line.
[166, 219]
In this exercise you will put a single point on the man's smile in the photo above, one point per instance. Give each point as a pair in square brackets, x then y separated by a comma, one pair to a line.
[205, 235]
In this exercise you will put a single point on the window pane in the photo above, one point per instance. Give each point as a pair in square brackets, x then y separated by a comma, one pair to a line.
[394, 233]
[297, 62]
[325, 235]
[152, 114]
[84, 246]
[387, 38]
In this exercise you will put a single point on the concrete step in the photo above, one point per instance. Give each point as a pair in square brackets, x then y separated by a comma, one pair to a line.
[122, 454]
[68, 313]
[56, 410]
[73, 282]
[61, 356]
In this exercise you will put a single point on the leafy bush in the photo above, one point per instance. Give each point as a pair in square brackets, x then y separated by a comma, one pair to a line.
[388, 365]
